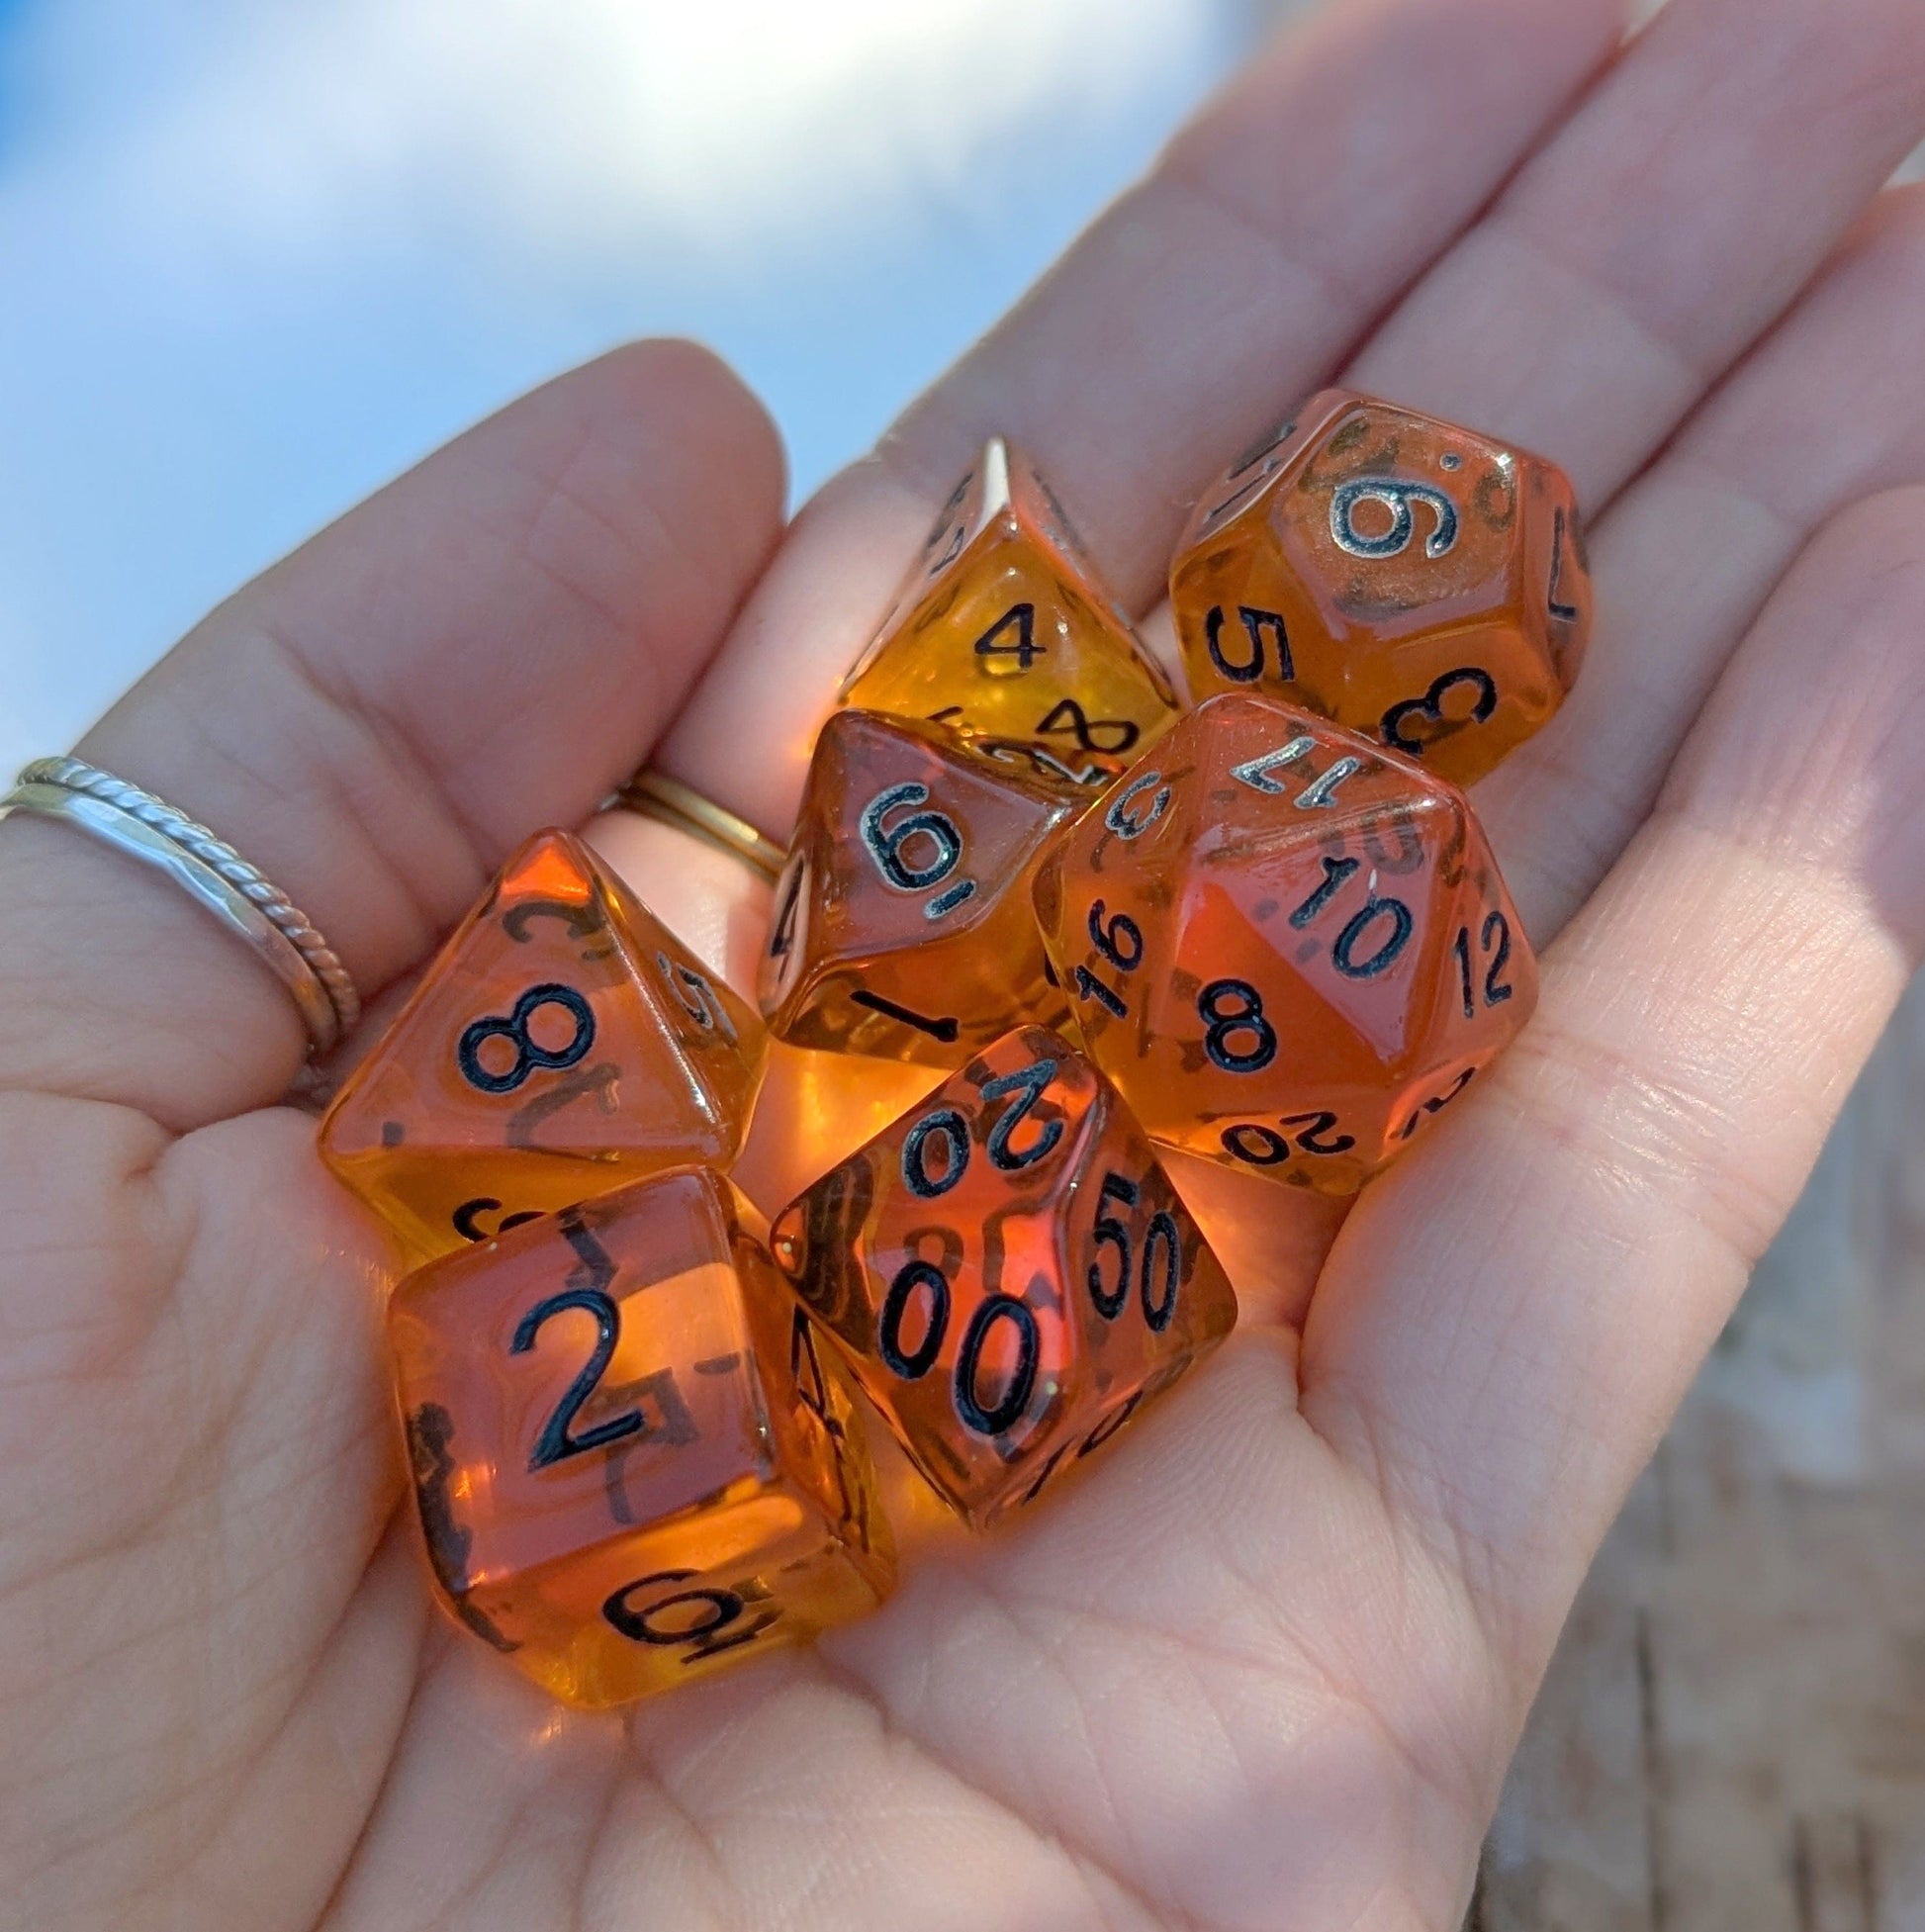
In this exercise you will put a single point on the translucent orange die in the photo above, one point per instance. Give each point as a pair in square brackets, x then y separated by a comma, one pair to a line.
[1421, 585]
[1288, 948]
[1009, 1271]
[563, 1042]
[1001, 629]
[633, 1462]
[903, 926]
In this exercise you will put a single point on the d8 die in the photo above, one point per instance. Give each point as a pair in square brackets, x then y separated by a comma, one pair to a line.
[632, 1463]
[903, 925]
[1419, 584]
[563, 1042]
[1287, 948]
[1003, 631]
[1011, 1274]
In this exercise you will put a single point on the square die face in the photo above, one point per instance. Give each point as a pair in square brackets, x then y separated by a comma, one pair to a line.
[682, 1599]
[630, 1463]
[587, 1374]
[1006, 1267]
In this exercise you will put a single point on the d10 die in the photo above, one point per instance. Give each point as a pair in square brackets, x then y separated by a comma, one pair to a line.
[632, 1463]
[1419, 584]
[1287, 948]
[903, 926]
[562, 1042]
[1002, 629]
[1009, 1271]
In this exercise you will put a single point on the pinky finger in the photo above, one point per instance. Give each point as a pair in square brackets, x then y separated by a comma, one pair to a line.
[1509, 1321]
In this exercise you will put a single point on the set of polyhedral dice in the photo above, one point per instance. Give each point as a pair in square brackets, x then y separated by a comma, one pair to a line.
[1267, 931]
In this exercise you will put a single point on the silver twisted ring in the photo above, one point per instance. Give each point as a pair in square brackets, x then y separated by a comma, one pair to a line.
[239, 895]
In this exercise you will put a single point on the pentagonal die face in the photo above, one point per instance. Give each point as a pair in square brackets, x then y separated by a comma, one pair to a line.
[563, 1041]
[1287, 949]
[631, 1463]
[1002, 631]
[1422, 585]
[903, 927]
[1009, 1273]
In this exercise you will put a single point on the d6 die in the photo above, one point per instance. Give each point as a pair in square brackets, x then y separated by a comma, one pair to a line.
[631, 1461]
[1011, 1274]
[1422, 585]
[1003, 631]
[563, 1042]
[1288, 948]
[903, 926]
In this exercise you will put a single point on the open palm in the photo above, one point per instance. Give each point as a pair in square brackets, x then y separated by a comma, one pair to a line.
[1262, 1667]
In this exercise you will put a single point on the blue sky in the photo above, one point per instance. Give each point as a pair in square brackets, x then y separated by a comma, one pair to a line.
[259, 257]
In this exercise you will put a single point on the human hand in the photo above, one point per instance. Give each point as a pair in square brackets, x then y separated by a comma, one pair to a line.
[1262, 1665]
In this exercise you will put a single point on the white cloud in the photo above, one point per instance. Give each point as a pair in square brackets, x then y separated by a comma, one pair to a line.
[559, 125]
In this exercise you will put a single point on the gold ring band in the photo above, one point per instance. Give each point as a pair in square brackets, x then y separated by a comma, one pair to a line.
[657, 796]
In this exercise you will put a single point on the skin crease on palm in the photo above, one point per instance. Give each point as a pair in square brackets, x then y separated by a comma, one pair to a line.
[1263, 1664]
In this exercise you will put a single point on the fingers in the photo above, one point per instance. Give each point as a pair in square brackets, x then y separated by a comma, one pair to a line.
[1829, 409]
[1212, 297]
[1508, 1319]
[485, 647]
[1662, 229]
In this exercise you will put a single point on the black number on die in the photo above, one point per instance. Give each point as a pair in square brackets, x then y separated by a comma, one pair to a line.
[1028, 1084]
[513, 1027]
[1162, 1236]
[555, 1444]
[920, 1280]
[1344, 952]
[954, 1132]
[1231, 1007]
[1432, 707]
[990, 1310]
[1067, 719]
[1020, 617]
[725, 1608]
[1257, 1146]
[912, 1364]
[1263, 628]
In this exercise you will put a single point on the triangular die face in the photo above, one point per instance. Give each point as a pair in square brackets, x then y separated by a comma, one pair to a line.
[1006, 633]
[543, 1026]
[1356, 916]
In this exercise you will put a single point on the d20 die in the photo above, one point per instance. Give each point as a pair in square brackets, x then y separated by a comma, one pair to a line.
[903, 927]
[563, 1042]
[1002, 629]
[1288, 948]
[1423, 585]
[1009, 1273]
[632, 1463]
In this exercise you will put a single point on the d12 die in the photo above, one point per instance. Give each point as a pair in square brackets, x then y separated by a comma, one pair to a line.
[633, 1464]
[1287, 948]
[903, 925]
[1421, 585]
[563, 1042]
[1002, 629]
[1010, 1272]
